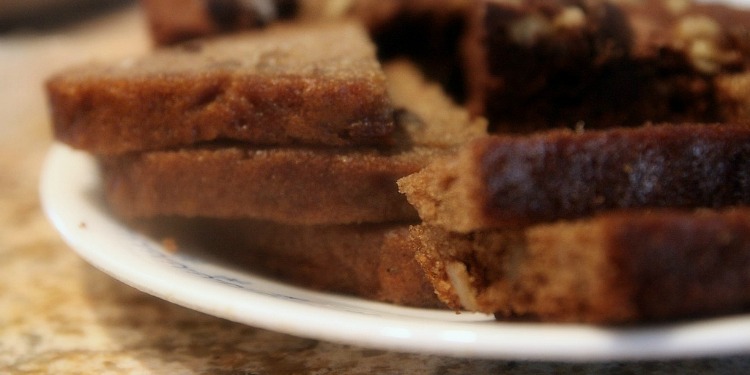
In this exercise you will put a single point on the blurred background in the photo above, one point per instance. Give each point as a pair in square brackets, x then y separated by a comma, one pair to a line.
[25, 14]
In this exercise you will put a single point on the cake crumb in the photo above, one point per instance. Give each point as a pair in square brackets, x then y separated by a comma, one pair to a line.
[169, 244]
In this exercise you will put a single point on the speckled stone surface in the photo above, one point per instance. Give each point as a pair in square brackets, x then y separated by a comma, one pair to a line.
[59, 315]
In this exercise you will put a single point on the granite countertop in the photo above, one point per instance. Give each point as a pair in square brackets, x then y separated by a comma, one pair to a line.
[60, 315]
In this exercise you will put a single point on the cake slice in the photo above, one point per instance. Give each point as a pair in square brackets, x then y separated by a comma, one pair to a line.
[515, 181]
[613, 268]
[427, 31]
[298, 185]
[372, 261]
[200, 18]
[289, 84]
[538, 64]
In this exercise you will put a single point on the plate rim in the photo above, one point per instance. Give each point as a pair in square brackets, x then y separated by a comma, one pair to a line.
[385, 331]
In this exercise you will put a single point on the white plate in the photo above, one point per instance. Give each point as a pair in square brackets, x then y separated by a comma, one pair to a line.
[71, 197]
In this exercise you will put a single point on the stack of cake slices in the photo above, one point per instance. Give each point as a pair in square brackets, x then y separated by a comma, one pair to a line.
[596, 168]
[292, 136]
[632, 221]
[602, 226]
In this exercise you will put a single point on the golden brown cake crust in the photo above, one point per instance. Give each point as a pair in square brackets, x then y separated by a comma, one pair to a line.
[304, 186]
[614, 268]
[289, 84]
[514, 181]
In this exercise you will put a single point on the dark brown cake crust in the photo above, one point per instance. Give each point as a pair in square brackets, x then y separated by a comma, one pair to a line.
[290, 84]
[536, 64]
[615, 268]
[519, 58]
[506, 181]
[200, 18]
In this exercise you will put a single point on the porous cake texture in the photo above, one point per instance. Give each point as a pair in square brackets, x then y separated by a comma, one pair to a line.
[514, 181]
[290, 84]
[613, 268]
[299, 185]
